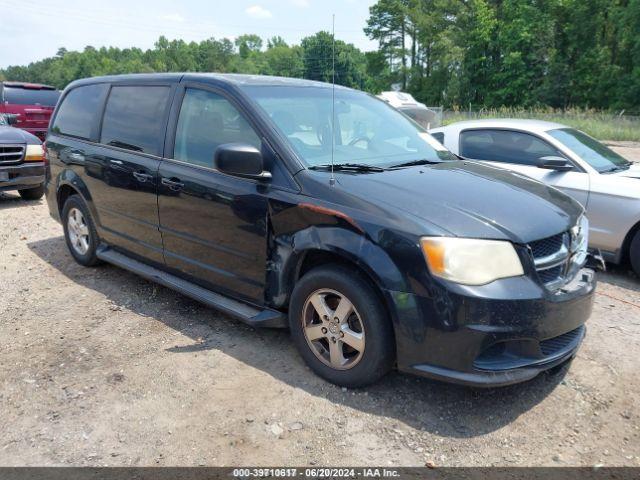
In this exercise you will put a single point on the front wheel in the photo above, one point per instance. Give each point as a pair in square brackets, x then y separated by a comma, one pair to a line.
[634, 253]
[34, 193]
[341, 327]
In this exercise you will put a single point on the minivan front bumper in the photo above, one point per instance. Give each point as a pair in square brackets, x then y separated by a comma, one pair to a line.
[498, 334]
[22, 176]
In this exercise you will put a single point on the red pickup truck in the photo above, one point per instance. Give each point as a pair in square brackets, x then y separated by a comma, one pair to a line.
[33, 104]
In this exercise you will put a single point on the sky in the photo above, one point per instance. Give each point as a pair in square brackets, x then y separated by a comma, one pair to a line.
[31, 30]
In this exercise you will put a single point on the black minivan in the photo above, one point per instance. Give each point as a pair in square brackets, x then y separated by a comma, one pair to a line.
[287, 204]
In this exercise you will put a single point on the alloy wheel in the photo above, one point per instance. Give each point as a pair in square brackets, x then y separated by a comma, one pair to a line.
[333, 329]
[78, 231]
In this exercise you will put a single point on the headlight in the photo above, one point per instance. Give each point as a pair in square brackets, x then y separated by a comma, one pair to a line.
[469, 261]
[34, 153]
[580, 241]
[580, 235]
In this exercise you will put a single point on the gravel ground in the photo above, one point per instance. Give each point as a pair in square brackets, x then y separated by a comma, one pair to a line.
[100, 367]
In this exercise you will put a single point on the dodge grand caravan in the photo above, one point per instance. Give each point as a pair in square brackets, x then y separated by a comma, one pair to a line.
[374, 245]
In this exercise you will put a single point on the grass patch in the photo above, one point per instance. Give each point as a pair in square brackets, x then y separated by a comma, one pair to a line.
[603, 126]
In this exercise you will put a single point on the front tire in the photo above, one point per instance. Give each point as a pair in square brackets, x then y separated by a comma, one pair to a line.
[80, 232]
[34, 193]
[634, 253]
[340, 326]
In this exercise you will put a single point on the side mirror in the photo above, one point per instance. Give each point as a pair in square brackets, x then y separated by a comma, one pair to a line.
[554, 163]
[240, 160]
[12, 118]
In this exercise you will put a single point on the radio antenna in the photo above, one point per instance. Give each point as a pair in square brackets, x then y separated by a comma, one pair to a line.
[332, 180]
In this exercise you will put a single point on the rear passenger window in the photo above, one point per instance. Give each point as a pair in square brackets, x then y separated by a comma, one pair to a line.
[79, 112]
[207, 121]
[134, 118]
[29, 96]
[505, 146]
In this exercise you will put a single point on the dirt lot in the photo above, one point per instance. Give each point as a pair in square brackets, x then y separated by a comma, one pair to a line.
[629, 150]
[100, 367]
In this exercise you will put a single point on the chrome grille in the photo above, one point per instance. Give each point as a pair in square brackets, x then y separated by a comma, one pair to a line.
[550, 274]
[558, 258]
[11, 153]
[550, 257]
[547, 246]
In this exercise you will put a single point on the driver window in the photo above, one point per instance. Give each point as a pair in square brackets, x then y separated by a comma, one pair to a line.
[505, 146]
[207, 120]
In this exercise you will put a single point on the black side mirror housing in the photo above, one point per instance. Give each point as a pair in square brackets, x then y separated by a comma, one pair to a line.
[241, 160]
[559, 164]
[12, 118]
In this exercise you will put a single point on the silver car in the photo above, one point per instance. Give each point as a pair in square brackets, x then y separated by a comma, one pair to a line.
[604, 182]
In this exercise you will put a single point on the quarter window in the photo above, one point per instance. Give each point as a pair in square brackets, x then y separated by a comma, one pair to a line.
[439, 136]
[505, 146]
[78, 113]
[134, 118]
[207, 120]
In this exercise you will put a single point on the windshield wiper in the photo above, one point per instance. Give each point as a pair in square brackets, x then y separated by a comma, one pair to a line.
[353, 167]
[424, 161]
[617, 168]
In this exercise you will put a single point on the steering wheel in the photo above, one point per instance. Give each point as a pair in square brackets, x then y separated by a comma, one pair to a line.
[359, 139]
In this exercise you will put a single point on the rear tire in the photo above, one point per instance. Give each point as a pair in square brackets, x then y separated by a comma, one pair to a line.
[34, 193]
[634, 253]
[80, 231]
[353, 345]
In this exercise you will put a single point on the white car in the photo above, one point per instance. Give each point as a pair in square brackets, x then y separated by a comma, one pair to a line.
[606, 184]
[416, 111]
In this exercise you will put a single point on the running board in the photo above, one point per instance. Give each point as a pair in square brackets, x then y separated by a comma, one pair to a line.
[251, 315]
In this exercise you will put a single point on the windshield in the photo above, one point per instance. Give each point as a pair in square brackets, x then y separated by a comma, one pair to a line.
[600, 157]
[28, 96]
[367, 130]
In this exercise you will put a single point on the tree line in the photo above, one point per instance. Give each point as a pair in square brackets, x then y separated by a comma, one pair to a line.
[524, 53]
[457, 53]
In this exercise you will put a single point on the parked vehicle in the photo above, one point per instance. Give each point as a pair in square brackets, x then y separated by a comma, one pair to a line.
[416, 111]
[603, 181]
[21, 160]
[31, 102]
[223, 187]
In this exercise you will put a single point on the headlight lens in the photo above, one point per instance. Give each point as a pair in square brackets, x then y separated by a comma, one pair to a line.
[34, 153]
[470, 261]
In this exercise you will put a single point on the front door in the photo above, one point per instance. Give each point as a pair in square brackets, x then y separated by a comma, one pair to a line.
[213, 225]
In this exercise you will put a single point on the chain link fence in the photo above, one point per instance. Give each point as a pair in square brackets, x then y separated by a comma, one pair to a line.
[603, 126]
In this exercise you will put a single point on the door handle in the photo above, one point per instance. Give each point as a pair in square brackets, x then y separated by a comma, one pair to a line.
[143, 177]
[76, 157]
[173, 184]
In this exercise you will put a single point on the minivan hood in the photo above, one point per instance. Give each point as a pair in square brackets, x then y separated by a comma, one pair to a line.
[469, 199]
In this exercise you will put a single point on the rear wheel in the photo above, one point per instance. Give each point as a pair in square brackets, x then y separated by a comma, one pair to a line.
[34, 193]
[634, 253]
[340, 327]
[80, 232]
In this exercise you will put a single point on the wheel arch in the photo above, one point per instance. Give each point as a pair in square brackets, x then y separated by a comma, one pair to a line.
[625, 253]
[69, 183]
[293, 256]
